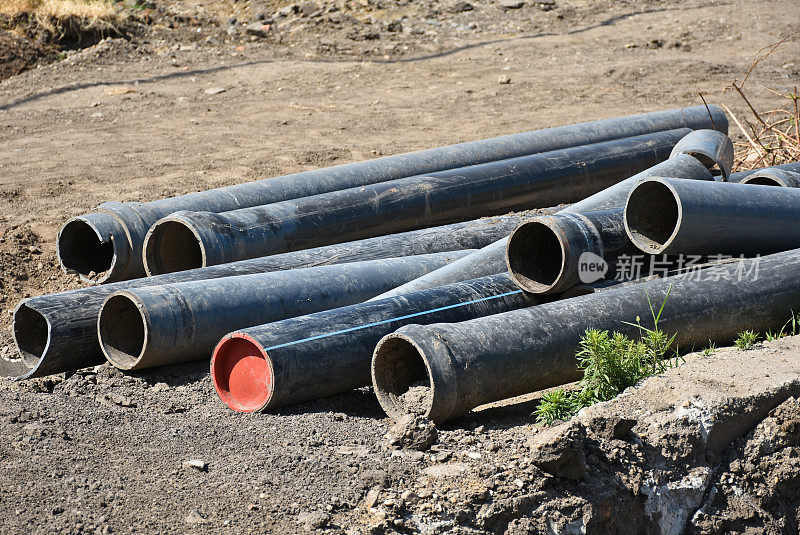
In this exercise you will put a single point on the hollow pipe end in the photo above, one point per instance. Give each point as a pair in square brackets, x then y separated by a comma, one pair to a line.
[173, 244]
[242, 373]
[95, 247]
[543, 254]
[773, 177]
[653, 215]
[123, 332]
[31, 333]
[712, 148]
[413, 372]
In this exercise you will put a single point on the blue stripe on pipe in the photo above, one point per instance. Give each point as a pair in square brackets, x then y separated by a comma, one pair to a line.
[391, 320]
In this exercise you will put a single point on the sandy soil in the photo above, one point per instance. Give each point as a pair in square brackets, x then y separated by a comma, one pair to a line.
[179, 110]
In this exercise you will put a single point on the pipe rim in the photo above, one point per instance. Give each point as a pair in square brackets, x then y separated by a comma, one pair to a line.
[647, 233]
[132, 310]
[388, 397]
[518, 251]
[154, 242]
[87, 233]
[29, 354]
[774, 177]
[240, 360]
[764, 180]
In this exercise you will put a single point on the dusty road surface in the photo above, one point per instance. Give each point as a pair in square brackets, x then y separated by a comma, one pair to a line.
[170, 112]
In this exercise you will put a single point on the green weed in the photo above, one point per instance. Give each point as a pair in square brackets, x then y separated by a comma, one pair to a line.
[611, 362]
[747, 339]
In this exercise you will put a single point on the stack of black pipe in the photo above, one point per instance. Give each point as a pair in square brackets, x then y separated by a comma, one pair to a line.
[427, 259]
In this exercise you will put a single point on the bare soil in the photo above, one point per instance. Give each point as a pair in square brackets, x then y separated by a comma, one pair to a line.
[195, 102]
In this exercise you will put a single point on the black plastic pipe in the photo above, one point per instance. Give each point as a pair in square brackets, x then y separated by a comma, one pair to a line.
[492, 258]
[58, 332]
[173, 323]
[550, 253]
[741, 176]
[714, 149]
[673, 216]
[553, 253]
[773, 177]
[109, 242]
[188, 240]
[447, 369]
[325, 353]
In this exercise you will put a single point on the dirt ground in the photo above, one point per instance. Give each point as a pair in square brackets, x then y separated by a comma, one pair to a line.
[193, 102]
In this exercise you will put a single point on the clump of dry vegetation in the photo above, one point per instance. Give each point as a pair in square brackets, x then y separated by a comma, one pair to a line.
[70, 19]
[773, 136]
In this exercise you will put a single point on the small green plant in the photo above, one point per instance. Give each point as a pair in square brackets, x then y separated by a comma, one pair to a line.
[769, 336]
[790, 328]
[555, 405]
[710, 350]
[747, 339]
[611, 362]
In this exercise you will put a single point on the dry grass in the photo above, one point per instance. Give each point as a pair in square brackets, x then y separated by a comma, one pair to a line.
[773, 136]
[69, 17]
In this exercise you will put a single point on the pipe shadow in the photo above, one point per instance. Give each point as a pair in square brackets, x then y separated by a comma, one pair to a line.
[444, 53]
[173, 375]
[360, 403]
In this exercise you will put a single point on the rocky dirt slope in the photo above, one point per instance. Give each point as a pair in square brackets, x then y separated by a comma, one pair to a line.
[711, 446]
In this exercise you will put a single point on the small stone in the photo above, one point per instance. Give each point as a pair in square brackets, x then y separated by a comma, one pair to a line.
[504, 79]
[394, 26]
[194, 517]
[122, 401]
[412, 432]
[546, 5]
[314, 521]
[460, 7]
[371, 499]
[559, 450]
[414, 455]
[231, 21]
[214, 90]
[511, 4]
[160, 387]
[409, 496]
[258, 29]
[197, 464]
[285, 11]
[307, 8]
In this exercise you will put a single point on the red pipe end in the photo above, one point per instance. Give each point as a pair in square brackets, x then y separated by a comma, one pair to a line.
[242, 373]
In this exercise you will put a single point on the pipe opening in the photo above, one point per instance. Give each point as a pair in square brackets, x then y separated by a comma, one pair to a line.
[652, 215]
[80, 249]
[172, 246]
[762, 180]
[242, 374]
[708, 162]
[535, 257]
[402, 379]
[31, 333]
[122, 331]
